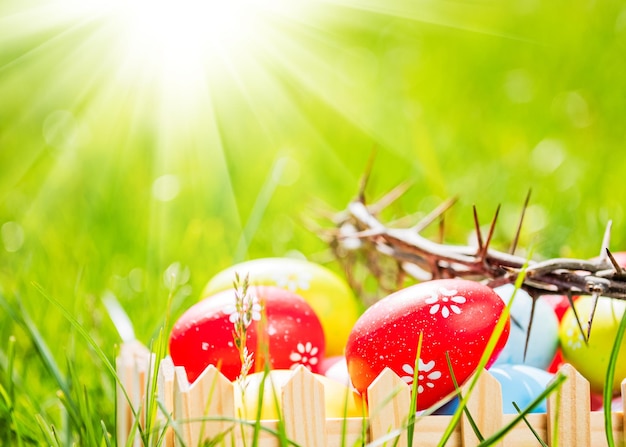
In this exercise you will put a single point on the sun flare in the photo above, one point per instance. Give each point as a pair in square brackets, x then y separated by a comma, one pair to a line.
[171, 42]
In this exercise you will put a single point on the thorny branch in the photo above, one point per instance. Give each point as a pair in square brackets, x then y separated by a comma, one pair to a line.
[359, 230]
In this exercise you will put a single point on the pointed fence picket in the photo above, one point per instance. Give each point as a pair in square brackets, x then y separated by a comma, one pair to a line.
[205, 410]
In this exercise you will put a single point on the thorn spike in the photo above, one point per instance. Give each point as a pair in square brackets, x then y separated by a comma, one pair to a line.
[519, 225]
[530, 326]
[390, 197]
[606, 240]
[596, 296]
[618, 268]
[491, 232]
[442, 222]
[580, 325]
[479, 236]
[434, 214]
[366, 175]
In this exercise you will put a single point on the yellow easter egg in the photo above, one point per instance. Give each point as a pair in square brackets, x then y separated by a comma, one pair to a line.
[339, 400]
[328, 294]
[592, 359]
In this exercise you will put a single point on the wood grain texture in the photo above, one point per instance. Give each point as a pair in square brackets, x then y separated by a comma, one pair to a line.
[569, 412]
[485, 407]
[389, 399]
[304, 409]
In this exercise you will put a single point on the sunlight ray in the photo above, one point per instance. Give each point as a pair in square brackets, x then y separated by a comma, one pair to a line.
[456, 15]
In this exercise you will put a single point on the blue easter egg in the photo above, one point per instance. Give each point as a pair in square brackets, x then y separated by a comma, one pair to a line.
[544, 334]
[520, 384]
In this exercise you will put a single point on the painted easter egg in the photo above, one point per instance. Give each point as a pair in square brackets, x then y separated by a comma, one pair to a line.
[521, 384]
[328, 294]
[339, 400]
[454, 316]
[597, 403]
[558, 303]
[290, 332]
[544, 332]
[592, 359]
[557, 362]
[339, 371]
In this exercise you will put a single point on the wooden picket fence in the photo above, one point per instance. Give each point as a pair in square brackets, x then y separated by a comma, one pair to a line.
[206, 410]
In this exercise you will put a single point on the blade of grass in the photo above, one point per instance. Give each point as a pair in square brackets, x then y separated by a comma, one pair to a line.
[392, 435]
[8, 394]
[554, 436]
[10, 367]
[84, 412]
[530, 427]
[344, 422]
[171, 423]
[4, 394]
[608, 382]
[410, 429]
[19, 314]
[91, 342]
[22, 317]
[106, 435]
[258, 209]
[48, 432]
[249, 423]
[470, 419]
[86, 429]
[158, 349]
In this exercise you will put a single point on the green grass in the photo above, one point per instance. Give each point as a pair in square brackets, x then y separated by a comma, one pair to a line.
[483, 100]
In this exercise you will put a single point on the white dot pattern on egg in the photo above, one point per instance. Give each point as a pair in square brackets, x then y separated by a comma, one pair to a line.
[455, 317]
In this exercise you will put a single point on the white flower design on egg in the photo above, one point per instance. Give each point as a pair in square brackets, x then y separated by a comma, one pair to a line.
[575, 338]
[425, 375]
[446, 301]
[294, 281]
[305, 354]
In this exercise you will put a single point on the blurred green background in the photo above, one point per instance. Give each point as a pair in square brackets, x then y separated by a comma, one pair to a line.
[133, 141]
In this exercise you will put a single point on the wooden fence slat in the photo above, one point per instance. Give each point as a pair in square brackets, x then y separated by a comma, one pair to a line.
[123, 415]
[348, 432]
[569, 411]
[485, 407]
[165, 390]
[211, 396]
[131, 366]
[304, 412]
[389, 401]
[182, 412]
[148, 377]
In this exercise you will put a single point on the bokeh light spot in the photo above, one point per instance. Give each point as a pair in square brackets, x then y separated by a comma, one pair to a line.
[12, 236]
[166, 188]
[577, 109]
[519, 86]
[548, 155]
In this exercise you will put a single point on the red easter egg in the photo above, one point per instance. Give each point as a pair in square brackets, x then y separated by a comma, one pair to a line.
[203, 335]
[557, 362]
[454, 315]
